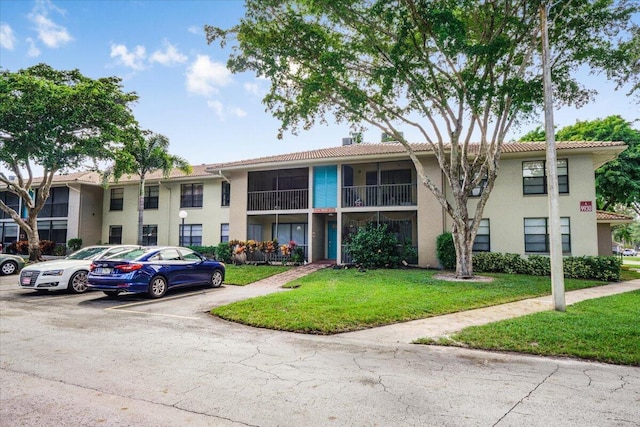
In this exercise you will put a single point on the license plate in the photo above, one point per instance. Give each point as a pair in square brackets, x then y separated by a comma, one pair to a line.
[26, 280]
[102, 270]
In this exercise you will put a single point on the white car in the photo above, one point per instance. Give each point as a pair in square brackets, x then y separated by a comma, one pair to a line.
[69, 273]
[629, 252]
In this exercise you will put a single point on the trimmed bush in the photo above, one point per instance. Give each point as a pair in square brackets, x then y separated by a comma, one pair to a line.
[223, 252]
[373, 246]
[606, 269]
[446, 251]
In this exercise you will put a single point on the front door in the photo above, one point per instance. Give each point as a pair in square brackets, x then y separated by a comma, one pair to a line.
[332, 240]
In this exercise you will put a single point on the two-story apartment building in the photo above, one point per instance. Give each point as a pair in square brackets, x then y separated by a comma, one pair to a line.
[319, 198]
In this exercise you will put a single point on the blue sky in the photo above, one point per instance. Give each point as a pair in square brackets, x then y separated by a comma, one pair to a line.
[159, 49]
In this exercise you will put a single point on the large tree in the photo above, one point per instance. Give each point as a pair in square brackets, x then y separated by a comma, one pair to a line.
[617, 182]
[55, 121]
[142, 156]
[459, 73]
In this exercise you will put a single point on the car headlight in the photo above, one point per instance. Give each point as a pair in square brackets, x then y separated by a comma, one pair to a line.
[53, 273]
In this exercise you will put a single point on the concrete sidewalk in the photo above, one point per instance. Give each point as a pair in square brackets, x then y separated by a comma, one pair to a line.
[439, 326]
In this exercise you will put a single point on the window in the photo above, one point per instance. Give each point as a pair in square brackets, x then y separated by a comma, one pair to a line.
[477, 191]
[536, 235]
[534, 178]
[115, 234]
[57, 204]
[8, 233]
[191, 235]
[151, 195]
[191, 196]
[12, 201]
[286, 233]
[226, 194]
[53, 230]
[117, 199]
[224, 232]
[482, 242]
[149, 235]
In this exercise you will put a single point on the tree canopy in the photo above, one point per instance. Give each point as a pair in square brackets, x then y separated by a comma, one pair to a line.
[459, 73]
[56, 120]
[617, 182]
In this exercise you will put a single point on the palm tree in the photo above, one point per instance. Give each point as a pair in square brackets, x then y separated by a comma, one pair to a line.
[144, 155]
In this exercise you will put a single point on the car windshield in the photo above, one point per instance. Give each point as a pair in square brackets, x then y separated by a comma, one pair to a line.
[86, 253]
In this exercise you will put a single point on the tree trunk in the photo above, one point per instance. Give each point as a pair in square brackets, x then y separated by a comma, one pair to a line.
[140, 210]
[464, 251]
[35, 254]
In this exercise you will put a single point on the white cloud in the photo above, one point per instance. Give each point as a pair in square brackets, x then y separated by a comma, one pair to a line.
[195, 29]
[170, 55]
[216, 106]
[7, 39]
[252, 88]
[134, 59]
[50, 33]
[203, 75]
[33, 49]
[222, 112]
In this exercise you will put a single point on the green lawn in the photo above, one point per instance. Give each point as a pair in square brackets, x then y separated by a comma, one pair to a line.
[332, 301]
[244, 274]
[605, 329]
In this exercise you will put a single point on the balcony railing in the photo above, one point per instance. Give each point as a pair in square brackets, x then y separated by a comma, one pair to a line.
[278, 200]
[379, 195]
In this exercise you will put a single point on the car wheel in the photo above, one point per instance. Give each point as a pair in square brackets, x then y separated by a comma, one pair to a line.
[111, 294]
[157, 287]
[8, 267]
[78, 282]
[216, 279]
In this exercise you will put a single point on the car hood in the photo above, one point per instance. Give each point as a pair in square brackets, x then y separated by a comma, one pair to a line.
[59, 264]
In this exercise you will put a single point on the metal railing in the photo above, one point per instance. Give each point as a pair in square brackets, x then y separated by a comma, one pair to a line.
[380, 195]
[278, 200]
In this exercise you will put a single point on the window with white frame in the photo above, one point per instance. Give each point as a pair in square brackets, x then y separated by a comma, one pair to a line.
[482, 243]
[534, 176]
[224, 232]
[191, 235]
[536, 235]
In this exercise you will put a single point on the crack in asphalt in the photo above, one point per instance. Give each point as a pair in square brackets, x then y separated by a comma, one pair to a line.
[527, 396]
[174, 405]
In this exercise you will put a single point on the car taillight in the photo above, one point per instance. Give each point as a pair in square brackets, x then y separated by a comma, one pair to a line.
[92, 266]
[126, 268]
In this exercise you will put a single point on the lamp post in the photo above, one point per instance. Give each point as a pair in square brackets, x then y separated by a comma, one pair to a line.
[182, 215]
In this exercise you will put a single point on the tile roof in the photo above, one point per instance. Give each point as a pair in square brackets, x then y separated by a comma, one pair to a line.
[606, 216]
[394, 148]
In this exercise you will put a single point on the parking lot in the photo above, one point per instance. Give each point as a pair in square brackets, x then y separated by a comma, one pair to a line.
[91, 360]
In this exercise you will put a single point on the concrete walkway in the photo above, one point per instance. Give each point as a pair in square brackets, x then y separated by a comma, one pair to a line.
[439, 326]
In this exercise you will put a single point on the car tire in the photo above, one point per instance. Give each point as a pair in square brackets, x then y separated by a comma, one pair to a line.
[78, 282]
[8, 267]
[111, 294]
[216, 279]
[157, 287]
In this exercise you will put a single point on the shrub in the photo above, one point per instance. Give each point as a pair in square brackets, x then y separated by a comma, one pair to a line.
[22, 247]
[606, 269]
[60, 250]
[208, 251]
[223, 252]
[74, 244]
[446, 251]
[373, 246]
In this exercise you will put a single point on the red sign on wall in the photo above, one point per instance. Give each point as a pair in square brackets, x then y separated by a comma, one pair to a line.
[586, 206]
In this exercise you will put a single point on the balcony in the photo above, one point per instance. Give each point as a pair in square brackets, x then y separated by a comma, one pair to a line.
[379, 195]
[281, 200]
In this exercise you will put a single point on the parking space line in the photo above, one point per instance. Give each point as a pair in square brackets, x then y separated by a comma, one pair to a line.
[152, 314]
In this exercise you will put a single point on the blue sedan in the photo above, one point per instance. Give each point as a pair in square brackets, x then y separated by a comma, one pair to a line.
[154, 270]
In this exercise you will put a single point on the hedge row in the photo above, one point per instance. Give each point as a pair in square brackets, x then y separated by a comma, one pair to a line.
[604, 268]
